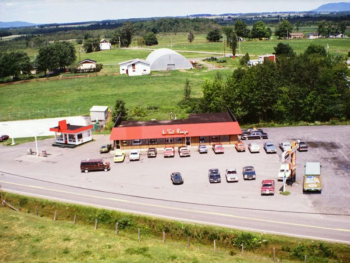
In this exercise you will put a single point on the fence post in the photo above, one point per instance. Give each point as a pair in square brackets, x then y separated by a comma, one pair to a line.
[95, 223]
[36, 210]
[214, 246]
[75, 219]
[163, 236]
[138, 233]
[19, 206]
[188, 242]
[242, 248]
[274, 254]
[54, 218]
[305, 258]
[116, 228]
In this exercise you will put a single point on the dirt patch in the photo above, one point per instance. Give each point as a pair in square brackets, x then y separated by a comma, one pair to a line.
[326, 145]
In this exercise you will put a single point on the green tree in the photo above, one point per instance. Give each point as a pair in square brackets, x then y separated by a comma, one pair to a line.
[141, 42]
[322, 30]
[13, 63]
[244, 60]
[190, 36]
[91, 45]
[47, 59]
[150, 39]
[283, 49]
[316, 50]
[187, 90]
[232, 42]
[342, 27]
[124, 34]
[241, 28]
[260, 30]
[119, 108]
[283, 29]
[66, 53]
[214, 35]
[297, 25]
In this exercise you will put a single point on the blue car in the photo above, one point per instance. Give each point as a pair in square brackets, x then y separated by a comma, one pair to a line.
[270, 147]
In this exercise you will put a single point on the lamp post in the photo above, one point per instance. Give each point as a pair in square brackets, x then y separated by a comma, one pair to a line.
[13, 139]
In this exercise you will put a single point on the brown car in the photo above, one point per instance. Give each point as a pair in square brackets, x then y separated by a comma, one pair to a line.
[152, 152]
[94, 165]
[240, 147]
[184, 151]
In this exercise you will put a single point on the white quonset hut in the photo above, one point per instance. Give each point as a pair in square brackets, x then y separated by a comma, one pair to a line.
[167, 59]
[99, 113]
[135, 67]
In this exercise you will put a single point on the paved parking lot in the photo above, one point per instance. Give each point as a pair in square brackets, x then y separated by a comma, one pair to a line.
[151, 177]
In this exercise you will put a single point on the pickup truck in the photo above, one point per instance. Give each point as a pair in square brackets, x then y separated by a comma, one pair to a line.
[169, 151]
[254, 135]
[184, 151]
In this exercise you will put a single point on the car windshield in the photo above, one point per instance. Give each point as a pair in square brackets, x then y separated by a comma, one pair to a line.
[202, 146]
[169, 149]
[214, 171]
[250, 173]
[282, 170]
[133, 153]
[218, 146]
[267, 185]
[247, 169]
[231, 172]
[118, 155]
[103, 146]
[269, 145]
[183, 149]
[215, 176]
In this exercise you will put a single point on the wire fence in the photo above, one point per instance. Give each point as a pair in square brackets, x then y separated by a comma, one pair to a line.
[41, 114]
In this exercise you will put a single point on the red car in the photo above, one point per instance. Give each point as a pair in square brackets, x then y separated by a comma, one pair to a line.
[169, 151]
[4, 138]
[218, 148]
[268, 187]
[240, 147]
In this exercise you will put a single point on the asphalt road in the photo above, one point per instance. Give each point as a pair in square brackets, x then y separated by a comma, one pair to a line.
[144, 187]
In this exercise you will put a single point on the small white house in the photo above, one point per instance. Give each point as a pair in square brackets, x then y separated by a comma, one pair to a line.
[135, 67]
[105, 45]
[312, 36]
[67, 134]
[99, 113]
[87, 65]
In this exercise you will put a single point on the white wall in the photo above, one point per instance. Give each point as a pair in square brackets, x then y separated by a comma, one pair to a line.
[100, 115]
[105, 46]
[140, 69]
[123, 69]
[87, 66]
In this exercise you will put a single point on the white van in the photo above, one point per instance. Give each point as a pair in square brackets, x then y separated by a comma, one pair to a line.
[284, 169]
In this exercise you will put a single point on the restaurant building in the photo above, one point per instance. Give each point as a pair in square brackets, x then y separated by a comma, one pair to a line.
[205, 128]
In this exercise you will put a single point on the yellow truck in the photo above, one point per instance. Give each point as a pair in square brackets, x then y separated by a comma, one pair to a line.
[312, 177]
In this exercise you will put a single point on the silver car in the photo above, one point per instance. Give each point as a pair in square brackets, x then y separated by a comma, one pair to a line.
[202, 148]
[231, 175]
[270, 147]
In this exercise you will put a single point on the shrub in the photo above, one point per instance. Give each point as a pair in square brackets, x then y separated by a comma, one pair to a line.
[99, 67]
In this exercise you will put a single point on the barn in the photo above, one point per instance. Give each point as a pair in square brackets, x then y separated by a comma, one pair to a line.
[167, 59]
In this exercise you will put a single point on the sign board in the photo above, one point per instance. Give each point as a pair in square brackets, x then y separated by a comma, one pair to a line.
[172, 132]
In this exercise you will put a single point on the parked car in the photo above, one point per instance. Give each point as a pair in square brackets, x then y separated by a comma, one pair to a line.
[270, 147]
[285, 146]
[202, 148]
[151, 152]
[268, 187]
[303, 147]
[94, 165]
[4, 138]
[105, 148]
[254, 135]
[169, 151]
[119, 156]
[214, 176]
[184, 151]
[253, 147]
[248, 173]
[176, 178]
[134, 155]
[218, 148]
[284, 170]
[231, 175]
[240, 147]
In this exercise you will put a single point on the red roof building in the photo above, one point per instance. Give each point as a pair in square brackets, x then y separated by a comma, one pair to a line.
[206, 128]
[66, 134]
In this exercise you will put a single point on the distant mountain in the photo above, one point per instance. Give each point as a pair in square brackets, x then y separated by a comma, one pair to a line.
[15, 24]
[334, 7]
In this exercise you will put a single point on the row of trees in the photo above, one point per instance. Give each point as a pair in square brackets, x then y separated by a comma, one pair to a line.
[13, 63]
[327, 28]
[307, 87]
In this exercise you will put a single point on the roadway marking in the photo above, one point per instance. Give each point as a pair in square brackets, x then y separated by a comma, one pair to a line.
[179, 209]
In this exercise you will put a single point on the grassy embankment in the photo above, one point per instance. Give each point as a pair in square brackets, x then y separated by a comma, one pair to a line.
[40, 239]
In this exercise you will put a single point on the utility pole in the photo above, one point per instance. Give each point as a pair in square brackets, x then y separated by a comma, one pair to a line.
[224, 47]
[119, 43]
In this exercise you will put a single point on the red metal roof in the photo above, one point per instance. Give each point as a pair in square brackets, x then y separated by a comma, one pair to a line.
[63, 127]
[179, 130]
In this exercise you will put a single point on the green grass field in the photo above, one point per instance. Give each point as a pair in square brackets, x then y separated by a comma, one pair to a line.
[30, 238]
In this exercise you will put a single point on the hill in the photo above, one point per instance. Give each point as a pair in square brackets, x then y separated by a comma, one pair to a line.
[334, 7]
[15, 24]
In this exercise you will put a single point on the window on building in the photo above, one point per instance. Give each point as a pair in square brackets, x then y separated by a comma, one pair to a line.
[133, 66]
[80, 137]
[152, 141]
[179, 140]
[214, 139]
[137, 142]
[124, 143]
[201, 140]
[169, 140]
[59, 136]
[71, 137]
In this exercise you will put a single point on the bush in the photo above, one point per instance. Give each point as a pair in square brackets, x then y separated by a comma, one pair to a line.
[99, 67]
[249, 241]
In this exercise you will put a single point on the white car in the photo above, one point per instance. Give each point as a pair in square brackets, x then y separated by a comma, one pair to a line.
[284, 169]
[285, 146]
[231, 175]
[253, 147]
[134, 155]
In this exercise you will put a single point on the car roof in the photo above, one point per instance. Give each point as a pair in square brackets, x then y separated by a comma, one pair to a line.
[267, 181]
[231, 169]
[134, 151]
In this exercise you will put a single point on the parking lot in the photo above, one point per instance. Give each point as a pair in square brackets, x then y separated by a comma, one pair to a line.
[150, 177]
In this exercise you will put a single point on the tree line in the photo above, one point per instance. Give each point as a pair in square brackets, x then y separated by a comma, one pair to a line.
[312, 86]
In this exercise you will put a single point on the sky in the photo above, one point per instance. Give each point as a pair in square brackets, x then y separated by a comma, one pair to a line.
[66, 11]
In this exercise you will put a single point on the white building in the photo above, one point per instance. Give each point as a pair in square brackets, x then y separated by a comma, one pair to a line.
[99, 113]
[261, 59]
[105, 45]
[87, 65]
[312, 36]
[167, 59]
[135, 67]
